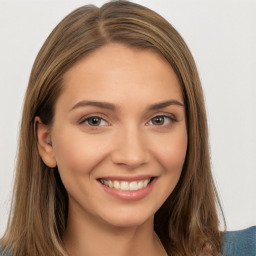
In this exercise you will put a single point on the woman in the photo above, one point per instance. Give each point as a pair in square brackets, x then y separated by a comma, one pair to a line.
[113, 153]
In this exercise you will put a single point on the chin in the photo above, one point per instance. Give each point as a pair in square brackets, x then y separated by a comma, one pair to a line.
[128, 220]
[127, 223]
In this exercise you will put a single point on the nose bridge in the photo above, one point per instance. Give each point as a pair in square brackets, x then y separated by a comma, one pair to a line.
[130, 147]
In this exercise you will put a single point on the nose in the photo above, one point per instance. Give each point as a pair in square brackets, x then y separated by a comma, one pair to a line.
[130, 149]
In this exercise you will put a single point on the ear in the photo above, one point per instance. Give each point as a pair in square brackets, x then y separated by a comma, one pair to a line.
[44, 143]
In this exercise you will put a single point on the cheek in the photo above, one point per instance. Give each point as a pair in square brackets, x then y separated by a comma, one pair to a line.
[172, 158]
[171, 152]
[76, 160]
[78, 153]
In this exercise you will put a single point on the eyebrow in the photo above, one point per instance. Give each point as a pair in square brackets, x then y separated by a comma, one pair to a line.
[99, 104]
[165, 104]
[110, 106]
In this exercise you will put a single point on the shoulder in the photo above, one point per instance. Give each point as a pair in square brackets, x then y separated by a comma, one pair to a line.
[241, 242]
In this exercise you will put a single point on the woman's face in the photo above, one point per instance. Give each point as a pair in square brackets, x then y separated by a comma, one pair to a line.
[119, 135]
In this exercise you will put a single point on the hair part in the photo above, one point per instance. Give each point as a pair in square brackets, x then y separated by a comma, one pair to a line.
[187, 223]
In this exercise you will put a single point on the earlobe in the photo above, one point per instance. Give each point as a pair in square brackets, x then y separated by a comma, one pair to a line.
[44, 143]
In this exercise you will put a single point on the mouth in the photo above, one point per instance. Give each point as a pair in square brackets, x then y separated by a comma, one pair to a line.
[124, 185]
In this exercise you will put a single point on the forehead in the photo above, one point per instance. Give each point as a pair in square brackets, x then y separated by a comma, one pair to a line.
[116, 72]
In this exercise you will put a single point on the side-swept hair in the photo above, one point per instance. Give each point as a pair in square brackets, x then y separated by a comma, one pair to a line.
[187, 223]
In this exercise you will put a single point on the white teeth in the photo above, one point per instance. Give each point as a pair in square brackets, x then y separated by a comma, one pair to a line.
[125, 185]
[116, 184]
[110, 183]
[145, 183]
[133, 185]
[142, 185]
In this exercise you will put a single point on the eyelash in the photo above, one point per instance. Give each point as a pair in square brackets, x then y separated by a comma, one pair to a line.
[86, 119]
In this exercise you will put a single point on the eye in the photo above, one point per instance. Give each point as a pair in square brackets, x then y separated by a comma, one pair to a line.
[161, 120]
[94, 121]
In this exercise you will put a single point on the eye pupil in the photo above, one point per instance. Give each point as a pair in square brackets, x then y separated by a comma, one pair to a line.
[158, 120]
[94, 121]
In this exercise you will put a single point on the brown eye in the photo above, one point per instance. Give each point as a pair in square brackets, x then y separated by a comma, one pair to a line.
[158, 120]
[95, 121]
[161, 120]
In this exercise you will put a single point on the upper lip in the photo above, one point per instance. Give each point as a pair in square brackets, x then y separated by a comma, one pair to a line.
[127, 178]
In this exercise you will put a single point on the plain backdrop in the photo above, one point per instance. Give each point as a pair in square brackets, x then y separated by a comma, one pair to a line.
[222, 38]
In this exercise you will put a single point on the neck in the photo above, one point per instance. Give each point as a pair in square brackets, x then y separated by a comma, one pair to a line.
[85, 236]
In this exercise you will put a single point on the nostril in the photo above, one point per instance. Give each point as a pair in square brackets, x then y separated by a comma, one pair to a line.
[131, 160]
[130, 149]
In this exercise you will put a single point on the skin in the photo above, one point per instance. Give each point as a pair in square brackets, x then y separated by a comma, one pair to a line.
[126, 141]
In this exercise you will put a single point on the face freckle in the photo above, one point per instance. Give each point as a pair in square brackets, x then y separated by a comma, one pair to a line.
[119, 134]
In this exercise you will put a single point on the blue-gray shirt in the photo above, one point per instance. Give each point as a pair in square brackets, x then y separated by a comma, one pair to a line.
[240, 243]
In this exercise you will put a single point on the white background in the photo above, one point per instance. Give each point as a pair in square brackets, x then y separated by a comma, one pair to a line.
[222, 38]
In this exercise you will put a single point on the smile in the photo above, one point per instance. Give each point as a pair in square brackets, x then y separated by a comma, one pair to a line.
[126, 185]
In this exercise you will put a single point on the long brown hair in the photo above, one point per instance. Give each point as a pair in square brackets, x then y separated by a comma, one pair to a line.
[187, 223]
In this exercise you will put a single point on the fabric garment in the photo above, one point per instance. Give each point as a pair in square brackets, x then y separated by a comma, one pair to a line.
[240, 243]
[235, 243]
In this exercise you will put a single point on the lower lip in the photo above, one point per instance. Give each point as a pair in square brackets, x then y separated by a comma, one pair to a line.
[130, 195]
